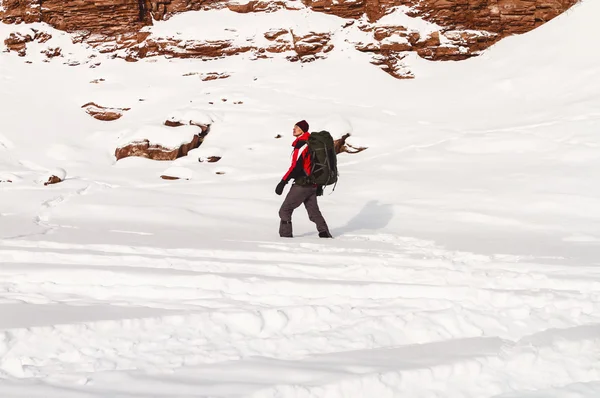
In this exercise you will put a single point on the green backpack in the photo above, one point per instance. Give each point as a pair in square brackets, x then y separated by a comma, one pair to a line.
[323, 159]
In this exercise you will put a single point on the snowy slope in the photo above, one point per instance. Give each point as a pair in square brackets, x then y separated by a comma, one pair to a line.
[467, 234]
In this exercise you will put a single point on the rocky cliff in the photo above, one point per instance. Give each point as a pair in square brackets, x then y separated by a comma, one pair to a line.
[456, 29]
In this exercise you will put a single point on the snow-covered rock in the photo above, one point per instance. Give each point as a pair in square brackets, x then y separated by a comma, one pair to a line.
[190, 117]
[160, 142]
[102, 112]
[307, 31]
[177, 173]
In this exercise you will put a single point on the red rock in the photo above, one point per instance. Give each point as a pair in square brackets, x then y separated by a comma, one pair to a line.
[18, 42]
[144, 148]
[308, 46]
[112, 25]
[382, 32]
[186, 49]
[391, 63]
[213, 76]
[172, 123]
[166, 177]
[261, 6]
[53, 180]
[103, 113]
[156, 152]
[275, 33]
[42, 37]
[52, 52]
[342, 8]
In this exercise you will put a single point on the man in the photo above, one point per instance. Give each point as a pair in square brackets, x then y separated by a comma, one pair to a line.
[302, 191]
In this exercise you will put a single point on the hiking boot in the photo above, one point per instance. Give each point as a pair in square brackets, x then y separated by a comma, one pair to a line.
[325, 234]
[285, 229]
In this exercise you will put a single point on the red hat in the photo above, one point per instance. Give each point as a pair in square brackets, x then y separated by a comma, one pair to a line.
[303, 125]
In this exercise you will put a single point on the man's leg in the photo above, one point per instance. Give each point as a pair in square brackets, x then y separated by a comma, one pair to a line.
[314, 214]
[294, 198]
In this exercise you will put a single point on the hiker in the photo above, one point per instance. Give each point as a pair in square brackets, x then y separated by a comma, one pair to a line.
[302, 191]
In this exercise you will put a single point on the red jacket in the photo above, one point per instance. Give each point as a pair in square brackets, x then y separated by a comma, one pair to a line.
[300, 159]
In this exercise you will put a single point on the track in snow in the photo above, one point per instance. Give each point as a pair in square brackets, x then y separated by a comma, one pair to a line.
[404, 317]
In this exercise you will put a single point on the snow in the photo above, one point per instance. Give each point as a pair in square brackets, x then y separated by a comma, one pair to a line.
[191, 116]
[395, 39]
[337, 125]
[465, 258]
[179, 172]
[9, 177]
[239, 28]
[57, 172]
[399, 17]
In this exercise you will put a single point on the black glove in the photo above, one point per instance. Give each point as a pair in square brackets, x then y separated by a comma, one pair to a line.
[320, 190]
[280, 186]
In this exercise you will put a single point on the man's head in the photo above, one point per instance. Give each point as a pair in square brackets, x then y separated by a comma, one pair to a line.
[300, 128]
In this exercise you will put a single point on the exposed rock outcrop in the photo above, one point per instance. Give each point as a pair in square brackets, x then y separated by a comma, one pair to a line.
[146, 149]
[390, 44]
[263, 6]
[209, 159]
[53, 180]
[108, 17]
[213, 76]
[18, 41]
[187, 137]
[497, 16]
[311, 46]
[168, 177]
[103, 113]
[55, 176]
[186, 49]
[463, 28]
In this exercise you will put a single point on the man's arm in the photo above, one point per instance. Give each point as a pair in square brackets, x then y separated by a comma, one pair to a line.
[298, 163]
[288, 174]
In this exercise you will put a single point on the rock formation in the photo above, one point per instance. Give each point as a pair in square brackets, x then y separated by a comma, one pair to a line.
[103, 113]
[141, 146]
[463, 27]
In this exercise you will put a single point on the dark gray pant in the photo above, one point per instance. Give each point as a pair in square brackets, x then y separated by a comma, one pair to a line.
[297, 195]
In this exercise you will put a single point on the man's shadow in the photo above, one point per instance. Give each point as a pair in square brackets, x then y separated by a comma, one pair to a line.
[374, 216]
